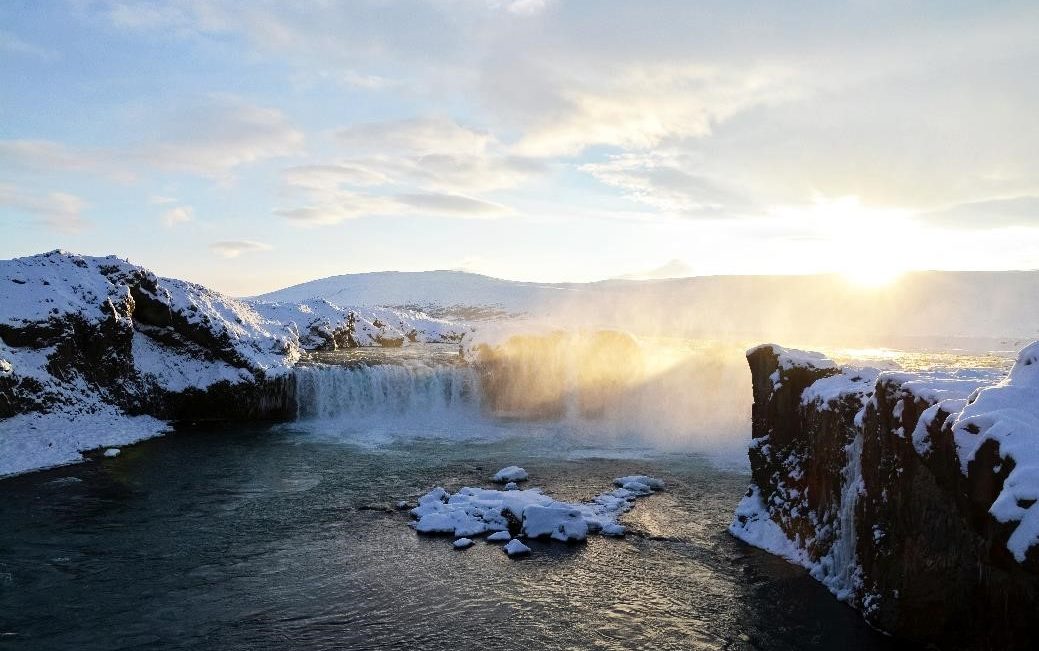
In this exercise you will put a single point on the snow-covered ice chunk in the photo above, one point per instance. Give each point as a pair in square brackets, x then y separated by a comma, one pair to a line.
[516, 548]
[512, 486]
[463, 543]
[652, 483]
[559, 521]
[475, 511]
[510, 474]
[112, 452]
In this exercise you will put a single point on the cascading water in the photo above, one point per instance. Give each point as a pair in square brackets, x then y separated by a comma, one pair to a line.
[330, 392]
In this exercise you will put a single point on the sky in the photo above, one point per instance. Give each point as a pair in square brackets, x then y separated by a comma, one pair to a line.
[251, 145]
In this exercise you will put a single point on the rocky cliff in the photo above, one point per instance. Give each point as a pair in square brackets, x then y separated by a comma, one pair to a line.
[89, 345]
[910, 495]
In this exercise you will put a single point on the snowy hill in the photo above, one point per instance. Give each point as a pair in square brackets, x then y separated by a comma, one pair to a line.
[988, 305]
[435, 292]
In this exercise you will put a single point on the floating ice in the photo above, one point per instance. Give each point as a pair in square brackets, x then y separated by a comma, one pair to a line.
[515, 548]
[510, 474]
[112, 452]
[530, 513]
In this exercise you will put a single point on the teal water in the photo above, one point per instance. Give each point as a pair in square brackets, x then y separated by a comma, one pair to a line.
[248, 537]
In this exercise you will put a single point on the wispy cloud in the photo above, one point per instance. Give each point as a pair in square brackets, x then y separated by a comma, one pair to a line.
[178, 215]
[58, 210]
[235, 248]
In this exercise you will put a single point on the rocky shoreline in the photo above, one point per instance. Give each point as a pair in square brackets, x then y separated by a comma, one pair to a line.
[898, 491]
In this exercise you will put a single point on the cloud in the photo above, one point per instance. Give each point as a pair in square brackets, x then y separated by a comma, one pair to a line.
[987, 214]
[427, 166]
[218, 135]
[637, 108]
[49, 156]
[177, 215]
[455, 204]
[235, 248]
[58, 210]
[340, 206]
[417, 136]
[674, 183]
[210, 138]
[333, 176]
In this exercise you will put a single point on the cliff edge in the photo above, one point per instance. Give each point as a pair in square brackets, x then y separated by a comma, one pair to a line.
[911, 496]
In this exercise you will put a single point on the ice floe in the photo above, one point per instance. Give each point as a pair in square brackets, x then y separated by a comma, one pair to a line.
[529, 513]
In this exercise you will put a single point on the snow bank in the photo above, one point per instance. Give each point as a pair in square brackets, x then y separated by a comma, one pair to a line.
[35, 441]
[1007, 414]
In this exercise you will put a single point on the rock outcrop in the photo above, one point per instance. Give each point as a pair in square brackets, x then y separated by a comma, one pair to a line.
[910, 495]
[83, 337]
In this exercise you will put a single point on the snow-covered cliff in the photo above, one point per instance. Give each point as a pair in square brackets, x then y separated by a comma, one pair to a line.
[96, 351]
[910, 495]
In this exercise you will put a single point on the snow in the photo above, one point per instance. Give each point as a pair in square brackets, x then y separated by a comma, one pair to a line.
[499, 536]
[463, 543]
[790, 358]
[1008, 414]
[850, 382]
[515, 548]
[477, 511]
[641, 482]
[34, 441]
[314, 322]
[510, 474]
[752, 525]
[557, 521]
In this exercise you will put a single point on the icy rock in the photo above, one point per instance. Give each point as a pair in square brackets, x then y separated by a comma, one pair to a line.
[515, 548]
[510, 474]
[499, 536]
[463, 543]
[112, 452]
[558, 521]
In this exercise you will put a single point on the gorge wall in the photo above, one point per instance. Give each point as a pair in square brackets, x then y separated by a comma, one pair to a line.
[909, 495]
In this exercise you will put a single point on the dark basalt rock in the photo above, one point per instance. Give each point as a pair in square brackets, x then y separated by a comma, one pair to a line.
[934, 565]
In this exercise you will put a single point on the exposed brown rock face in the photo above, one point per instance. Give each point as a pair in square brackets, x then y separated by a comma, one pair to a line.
[931, 564]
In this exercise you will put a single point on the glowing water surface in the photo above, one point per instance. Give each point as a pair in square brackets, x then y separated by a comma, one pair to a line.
[244, 538]
[285, 537]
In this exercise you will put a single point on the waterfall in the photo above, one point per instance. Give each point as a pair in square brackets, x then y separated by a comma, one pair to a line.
[329, 392]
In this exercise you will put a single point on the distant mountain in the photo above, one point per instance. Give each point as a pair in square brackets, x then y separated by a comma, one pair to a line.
[439, 293]
[811, 308]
